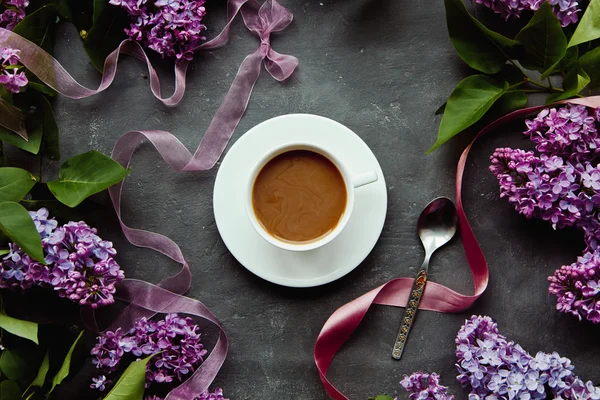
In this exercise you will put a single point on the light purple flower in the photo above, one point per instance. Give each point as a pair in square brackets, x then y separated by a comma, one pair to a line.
[518, 375]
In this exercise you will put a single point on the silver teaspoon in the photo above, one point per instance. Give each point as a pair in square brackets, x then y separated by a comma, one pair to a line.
[436, 226]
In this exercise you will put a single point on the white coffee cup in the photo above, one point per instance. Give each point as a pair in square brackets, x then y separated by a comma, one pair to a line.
[352, 182]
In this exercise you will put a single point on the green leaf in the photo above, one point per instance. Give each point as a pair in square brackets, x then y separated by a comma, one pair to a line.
[20, 328]
[16, 223]
[85, 175]
[40, 87]
[15, 183]
[9, 390]
[63, 372]
[4, 251]
[589, 27]
[35, 129]
[36, 26]
[543, 39]
[383, 397]
[478, 46]
[469, 101]
[130, 385]
[42, 372]
[15, 364]
[78, 12]
[590, 63]
[106, 33]
[508, 102]
[575, 81]
[51, 138]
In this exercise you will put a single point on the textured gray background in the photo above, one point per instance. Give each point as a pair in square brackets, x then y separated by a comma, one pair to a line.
[382, 68]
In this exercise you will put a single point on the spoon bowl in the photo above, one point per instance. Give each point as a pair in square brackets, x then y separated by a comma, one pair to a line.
[437, 224]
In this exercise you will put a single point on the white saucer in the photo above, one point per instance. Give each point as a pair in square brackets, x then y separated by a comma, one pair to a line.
[291, 268]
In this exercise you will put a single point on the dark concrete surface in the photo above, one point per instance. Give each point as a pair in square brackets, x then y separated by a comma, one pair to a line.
[382, 68]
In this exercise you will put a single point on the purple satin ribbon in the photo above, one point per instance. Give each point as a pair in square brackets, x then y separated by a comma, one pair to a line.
[145, 299]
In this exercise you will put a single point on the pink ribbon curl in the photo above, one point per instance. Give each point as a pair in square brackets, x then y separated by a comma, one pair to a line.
[344, 321]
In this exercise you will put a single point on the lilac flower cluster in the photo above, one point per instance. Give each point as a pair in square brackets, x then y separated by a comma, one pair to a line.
[577, 287]
[565, 10]
[174, 341]
[79, 264]
[9, 60]
[489, 365]
[169, 27]
[561, 185]
[14, 12]
[422, 386]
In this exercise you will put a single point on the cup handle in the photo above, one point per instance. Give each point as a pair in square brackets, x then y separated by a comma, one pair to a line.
[364, 179]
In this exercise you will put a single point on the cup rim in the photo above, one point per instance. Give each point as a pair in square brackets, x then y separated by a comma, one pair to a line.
[314, 244]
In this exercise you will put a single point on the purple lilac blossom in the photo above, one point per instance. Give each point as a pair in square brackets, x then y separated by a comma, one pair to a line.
[12, 78]
[565, 10]
[172, 28]
[492, 367]
[562, 186]
[422, 386]
[14, 12]
[79, 264]
[174, 342]
[577, 287]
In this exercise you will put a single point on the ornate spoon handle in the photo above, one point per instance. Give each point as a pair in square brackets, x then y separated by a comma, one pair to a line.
[409, 313]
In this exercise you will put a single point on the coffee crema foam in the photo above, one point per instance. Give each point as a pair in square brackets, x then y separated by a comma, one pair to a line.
[299, 196]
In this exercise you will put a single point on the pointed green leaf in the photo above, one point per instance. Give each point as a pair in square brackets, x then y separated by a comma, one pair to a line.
[478, 46]
[564, 64]
[20, 328]
[543, 39]
[590, 63]
[589, 27]
[64, 370]
[575, 81]
[469, 101]
[15, 183]
[36, 26]
[42, 372]
[130, 385]
[508, 102]
[35, 129]
[85, 175]
[16, 363]
[9, 390]
[106, 33]
[4, 252]
[16, 223]
[40, 87]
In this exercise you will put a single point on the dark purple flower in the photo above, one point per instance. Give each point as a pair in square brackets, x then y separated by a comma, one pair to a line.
[565, 10]
[13, 13]
[100, 383]
[216, 395]
[172, 28]
[577, 287]
[174, 342]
